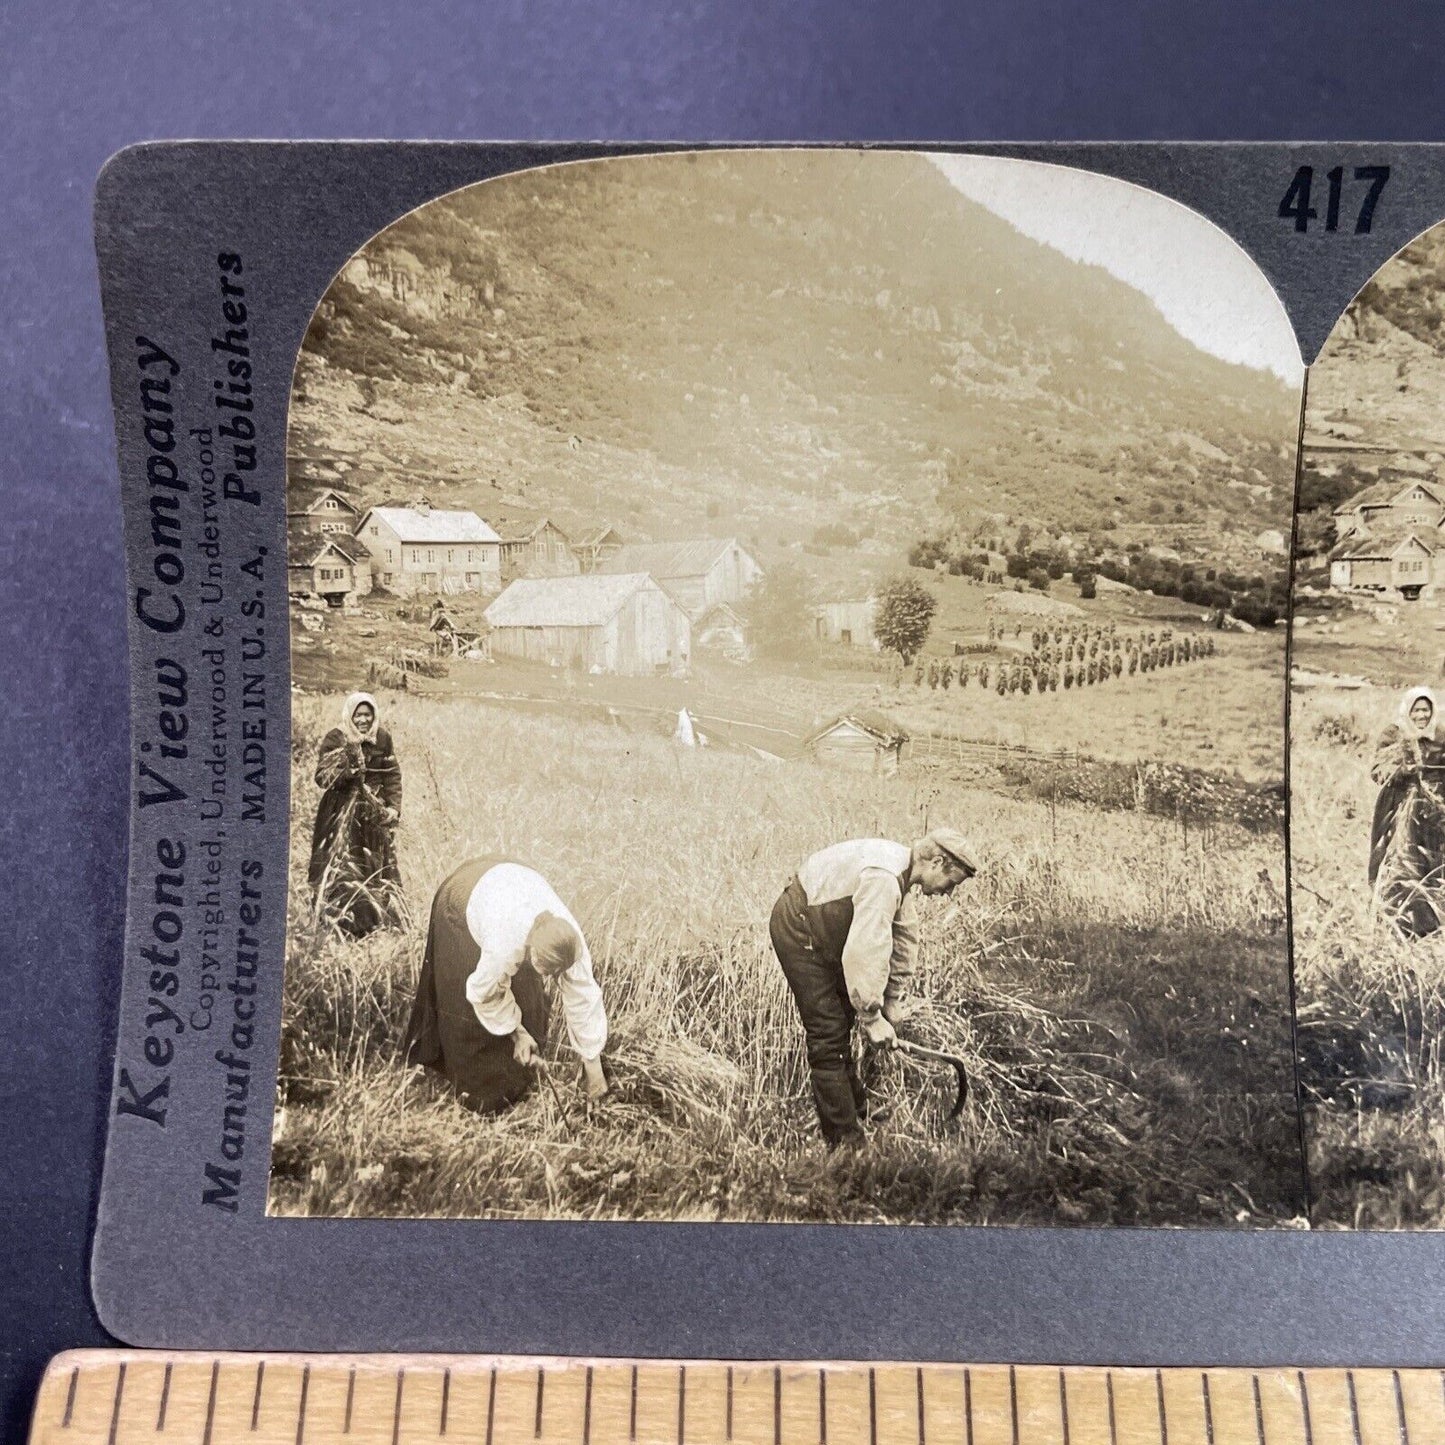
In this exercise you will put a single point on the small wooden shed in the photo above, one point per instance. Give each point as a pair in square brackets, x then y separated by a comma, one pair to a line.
[867, 741]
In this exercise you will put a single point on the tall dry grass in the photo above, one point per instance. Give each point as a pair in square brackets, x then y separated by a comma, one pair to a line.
[1117, 984]
[1371, 1003]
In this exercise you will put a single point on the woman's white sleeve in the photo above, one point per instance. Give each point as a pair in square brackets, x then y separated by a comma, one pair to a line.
[489, 991]
[582, 1004]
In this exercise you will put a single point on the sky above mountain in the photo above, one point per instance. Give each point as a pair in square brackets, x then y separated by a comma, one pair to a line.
[1204, 285]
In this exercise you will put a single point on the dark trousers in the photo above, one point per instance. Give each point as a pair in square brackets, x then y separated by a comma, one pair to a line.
[821, 993]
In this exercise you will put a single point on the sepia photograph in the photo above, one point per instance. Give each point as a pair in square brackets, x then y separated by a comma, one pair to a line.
[789, 680]
[1367, 752]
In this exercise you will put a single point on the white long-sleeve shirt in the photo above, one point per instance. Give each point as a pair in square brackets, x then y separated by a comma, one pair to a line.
[502, 908]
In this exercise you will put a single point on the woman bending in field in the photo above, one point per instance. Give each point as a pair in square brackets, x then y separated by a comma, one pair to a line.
[1407, 837]
[498, 937]
[353, 874]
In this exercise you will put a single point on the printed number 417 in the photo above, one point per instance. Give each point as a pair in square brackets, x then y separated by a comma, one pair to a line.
[1296, 203]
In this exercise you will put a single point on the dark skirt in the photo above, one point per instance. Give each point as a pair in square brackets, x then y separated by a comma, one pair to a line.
[445, 1034]
[1407, 854]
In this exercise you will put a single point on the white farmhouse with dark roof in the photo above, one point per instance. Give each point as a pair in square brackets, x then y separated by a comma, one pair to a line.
[617, 623]
[699, 574]
[422, 548]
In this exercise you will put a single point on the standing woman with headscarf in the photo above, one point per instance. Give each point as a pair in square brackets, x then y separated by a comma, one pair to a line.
[353, 874]
[1407, 836]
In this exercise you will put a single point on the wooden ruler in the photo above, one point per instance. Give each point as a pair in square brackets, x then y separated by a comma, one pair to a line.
[120, 1397]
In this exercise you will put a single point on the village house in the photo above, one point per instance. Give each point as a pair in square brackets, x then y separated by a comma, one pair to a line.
[332, 566]
[1393, 504]
[596, 546]
[849, 624]
[698, 574]
[536, 548]
[422, 548]
[866, 741]
[319, 509]
[623, 623]
[1399, 560]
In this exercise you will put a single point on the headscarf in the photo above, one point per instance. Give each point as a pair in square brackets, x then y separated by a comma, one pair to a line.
[348, 711]
[1412, 696]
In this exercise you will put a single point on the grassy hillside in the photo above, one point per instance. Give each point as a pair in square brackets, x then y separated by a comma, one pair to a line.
[765, 341]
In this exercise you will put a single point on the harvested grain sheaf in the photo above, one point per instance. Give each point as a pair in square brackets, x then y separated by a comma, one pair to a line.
[1095, 978]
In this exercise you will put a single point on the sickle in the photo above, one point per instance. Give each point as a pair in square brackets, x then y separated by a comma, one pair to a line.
[918, 1051]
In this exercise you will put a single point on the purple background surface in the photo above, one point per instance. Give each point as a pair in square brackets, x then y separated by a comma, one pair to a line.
[83, 80]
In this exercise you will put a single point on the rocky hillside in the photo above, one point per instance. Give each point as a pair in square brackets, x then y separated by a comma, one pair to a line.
[761, 343]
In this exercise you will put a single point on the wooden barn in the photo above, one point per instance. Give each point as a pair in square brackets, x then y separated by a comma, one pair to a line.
[595, 547]
[867, 741]
[720, 629]
[332, 566]
[623, 623]
[847, 623]
[698, 574]
[534, 548]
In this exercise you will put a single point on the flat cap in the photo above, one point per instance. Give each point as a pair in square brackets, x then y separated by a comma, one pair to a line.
[956, 846]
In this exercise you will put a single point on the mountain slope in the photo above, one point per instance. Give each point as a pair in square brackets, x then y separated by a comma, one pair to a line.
[772, 340]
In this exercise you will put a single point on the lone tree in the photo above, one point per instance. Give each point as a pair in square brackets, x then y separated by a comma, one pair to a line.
[902, 616]
[779, 614]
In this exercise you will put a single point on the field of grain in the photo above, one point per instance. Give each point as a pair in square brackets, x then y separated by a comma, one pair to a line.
[1371, 1005]
[1117, 983]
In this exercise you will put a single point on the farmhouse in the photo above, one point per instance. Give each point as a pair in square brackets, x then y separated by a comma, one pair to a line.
[1400, 560]
[421, 548]
[698, 573]
[596, 546]
[622, 622]
[848, 623]
[319, 509]
[536, 548]
[329, 565]
[867, 741]
[1393, 504]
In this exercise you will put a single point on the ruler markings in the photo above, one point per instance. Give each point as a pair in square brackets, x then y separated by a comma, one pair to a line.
[165, 1399]
[1379, 1406]
[211, 1402]
[115, 1404]
[70, 1397]
[301, 1404]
